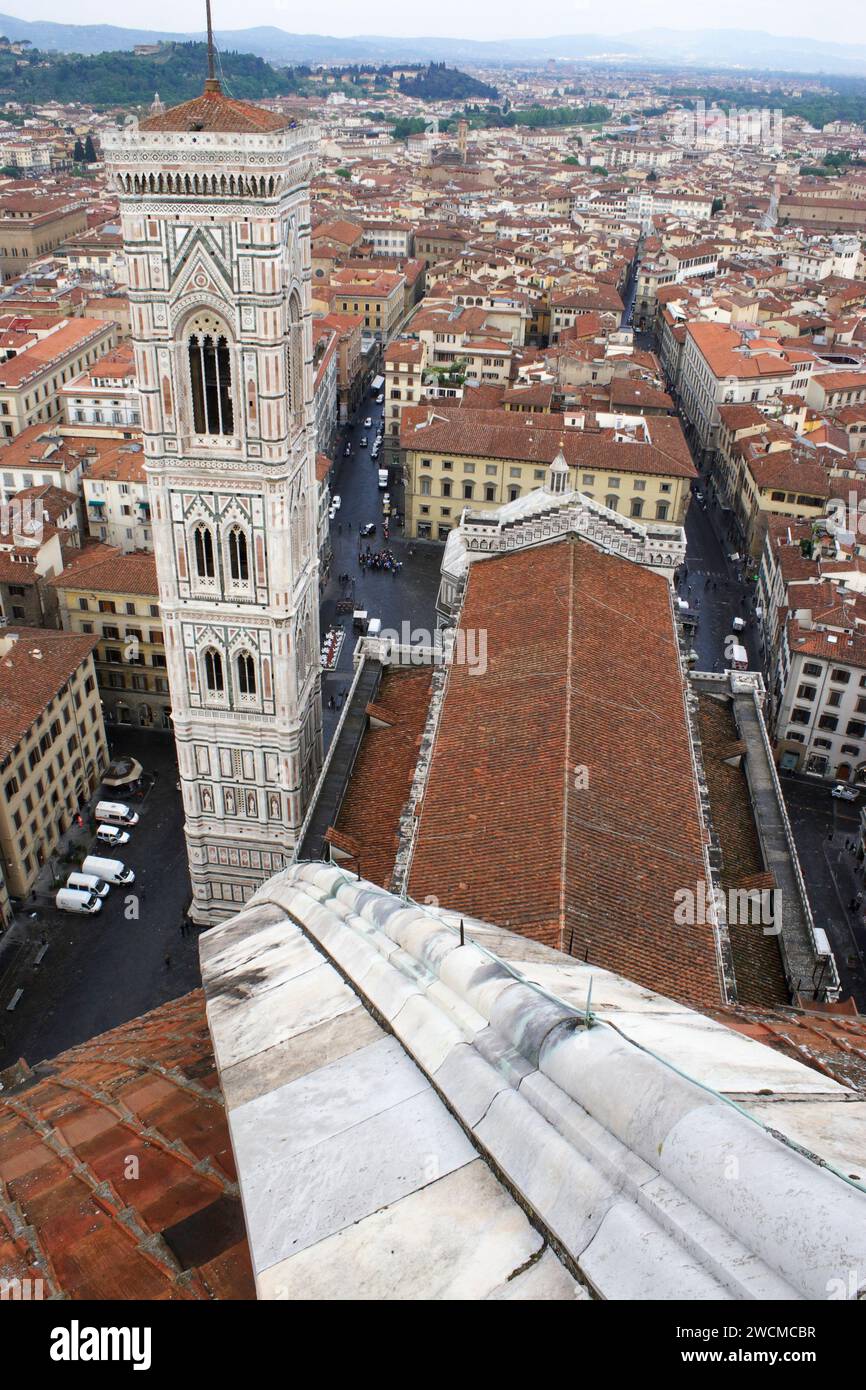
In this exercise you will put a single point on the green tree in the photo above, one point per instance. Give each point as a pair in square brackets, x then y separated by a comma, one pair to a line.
[89, 150]
[78, 153]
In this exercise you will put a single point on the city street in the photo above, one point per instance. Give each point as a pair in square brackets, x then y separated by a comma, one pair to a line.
[407, 597]
[715, 591]
[98, 972]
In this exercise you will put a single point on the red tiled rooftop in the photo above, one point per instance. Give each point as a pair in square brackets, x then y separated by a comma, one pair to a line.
[383, 772]
[508, 833]
[214, 111]
[74, 1209]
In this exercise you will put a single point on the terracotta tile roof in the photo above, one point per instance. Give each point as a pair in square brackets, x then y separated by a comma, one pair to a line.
[38, 663]
[508, 832]
[383, 772]
[107, 570]
[533, 437]
[70, 1211]
[41, 355]
[214, 111]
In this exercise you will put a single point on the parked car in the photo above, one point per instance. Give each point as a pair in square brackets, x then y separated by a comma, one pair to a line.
[845, 793]
[88, 883]
[337, 501]
[369, 529]
[386, 499]
[111, 835]
[77, 900]
[380, 398]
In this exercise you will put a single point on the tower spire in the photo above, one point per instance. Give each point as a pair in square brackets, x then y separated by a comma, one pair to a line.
[212, 84]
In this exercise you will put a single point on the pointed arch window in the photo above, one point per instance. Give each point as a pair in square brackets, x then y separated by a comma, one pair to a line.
[204, 556]
[295, 358]
[246, 674]
[213, 672]
[239, 561]
[210, 377]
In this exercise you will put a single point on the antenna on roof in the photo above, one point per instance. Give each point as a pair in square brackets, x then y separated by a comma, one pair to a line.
[212, 84]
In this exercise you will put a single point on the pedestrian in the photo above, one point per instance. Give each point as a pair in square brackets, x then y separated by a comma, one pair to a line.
[859, 898]
[142, 894]
[168, 962]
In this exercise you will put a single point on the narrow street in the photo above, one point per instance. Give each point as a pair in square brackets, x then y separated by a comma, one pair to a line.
[406, 597]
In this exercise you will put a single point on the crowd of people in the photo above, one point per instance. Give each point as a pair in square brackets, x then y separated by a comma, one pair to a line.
[380, 560]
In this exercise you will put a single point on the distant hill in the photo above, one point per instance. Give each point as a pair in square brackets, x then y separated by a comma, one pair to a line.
[115, 79]
[441, 83]
[708, 48]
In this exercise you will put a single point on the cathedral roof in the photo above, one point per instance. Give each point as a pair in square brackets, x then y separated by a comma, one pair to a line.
[214, 111]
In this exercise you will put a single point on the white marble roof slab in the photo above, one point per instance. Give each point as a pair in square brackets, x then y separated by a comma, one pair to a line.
[312, 1194]
[415, 1249]
[609, 1128]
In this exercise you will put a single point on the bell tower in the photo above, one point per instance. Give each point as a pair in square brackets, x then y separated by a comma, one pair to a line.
[214, 199]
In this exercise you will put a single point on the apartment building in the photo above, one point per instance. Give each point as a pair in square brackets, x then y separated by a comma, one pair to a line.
[569, 305]
[40, 457]
[53, 749]
[350, 360]
[405, 360]
[820, 684]
[439, 243]
[97, 251]
[104, 399]
[723, 365]
[457, 457]
[833, 389]
[113, 599]
[377, 295]
[32, 225]
[31, 381]
[670, 267]
[27, 562]
[325, 388]
[116, 501]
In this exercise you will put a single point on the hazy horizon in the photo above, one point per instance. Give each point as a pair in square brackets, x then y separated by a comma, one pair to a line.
[546, 19]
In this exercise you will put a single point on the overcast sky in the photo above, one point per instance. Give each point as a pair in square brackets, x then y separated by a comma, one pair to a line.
[842, 20]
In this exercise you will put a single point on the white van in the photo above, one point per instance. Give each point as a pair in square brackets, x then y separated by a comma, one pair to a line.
[88, 883]
[115, 813]
[111, 835]
[77, 900]
[383, 477]
[112, 870]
